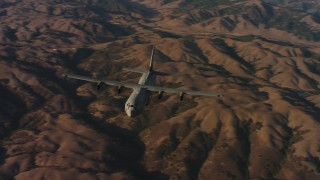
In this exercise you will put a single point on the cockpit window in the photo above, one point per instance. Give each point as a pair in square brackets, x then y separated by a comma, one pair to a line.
[130, 105]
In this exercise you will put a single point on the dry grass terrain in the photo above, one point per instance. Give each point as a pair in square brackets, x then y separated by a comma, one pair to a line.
[264, 56]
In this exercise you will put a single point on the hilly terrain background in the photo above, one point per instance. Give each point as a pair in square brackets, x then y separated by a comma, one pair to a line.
[264, 56]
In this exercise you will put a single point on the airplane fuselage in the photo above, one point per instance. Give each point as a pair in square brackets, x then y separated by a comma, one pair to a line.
[140, 96]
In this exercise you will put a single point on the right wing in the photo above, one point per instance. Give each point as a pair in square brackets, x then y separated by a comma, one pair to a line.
[180, 91]
[109, 82]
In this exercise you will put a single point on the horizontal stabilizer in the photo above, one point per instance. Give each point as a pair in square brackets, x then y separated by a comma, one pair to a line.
[135, 70]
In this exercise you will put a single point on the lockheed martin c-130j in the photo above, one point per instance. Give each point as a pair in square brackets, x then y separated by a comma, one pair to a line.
[141, 94]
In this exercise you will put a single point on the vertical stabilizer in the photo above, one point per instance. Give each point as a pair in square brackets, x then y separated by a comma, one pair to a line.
[151, 60]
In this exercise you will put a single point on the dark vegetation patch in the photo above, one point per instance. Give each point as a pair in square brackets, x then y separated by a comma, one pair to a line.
[107, 6]
[166, 2]
[295, 99]
[12, 108]
[228, 23]
[187, 5]
[119, 7]
[5, 4]
[316, 17]
[3, 12]
[191, 4]
[60, 34]
[164, 34]
[315, 68]
[281, 43]
[10, 33]
[245, 38]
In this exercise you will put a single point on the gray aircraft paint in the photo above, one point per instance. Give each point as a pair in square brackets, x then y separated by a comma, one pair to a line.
[140, 96]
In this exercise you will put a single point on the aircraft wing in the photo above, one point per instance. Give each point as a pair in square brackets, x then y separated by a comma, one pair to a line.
[108, 82]
[179, 91]
[159, 89]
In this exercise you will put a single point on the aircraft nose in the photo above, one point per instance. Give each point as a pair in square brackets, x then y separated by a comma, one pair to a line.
[130, 113]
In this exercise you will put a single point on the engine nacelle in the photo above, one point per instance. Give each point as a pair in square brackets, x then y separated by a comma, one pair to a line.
[119, 89]
[181, 96]
[99, 85]
[149, 100]
[64, 76]
[160, 94]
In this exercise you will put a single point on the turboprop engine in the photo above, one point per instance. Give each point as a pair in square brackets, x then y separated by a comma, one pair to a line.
[181, 96]
[99, 85]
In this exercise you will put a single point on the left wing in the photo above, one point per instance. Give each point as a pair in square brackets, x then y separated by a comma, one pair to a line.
[159, 89]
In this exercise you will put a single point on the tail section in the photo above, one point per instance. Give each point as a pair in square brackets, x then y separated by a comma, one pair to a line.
[143, 71]
[151, 60]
